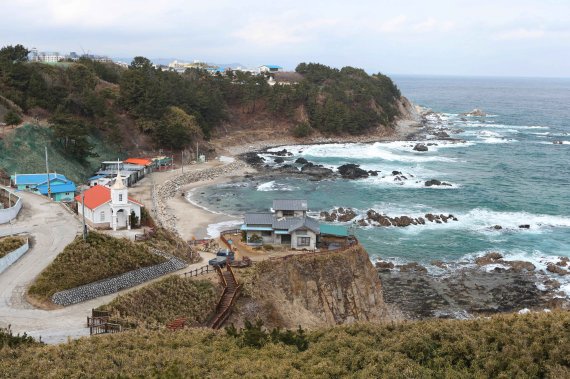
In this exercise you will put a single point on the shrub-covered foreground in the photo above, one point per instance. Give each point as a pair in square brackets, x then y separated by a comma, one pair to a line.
[82, 262]
[158, 303]
[504, 346]
[9, 244]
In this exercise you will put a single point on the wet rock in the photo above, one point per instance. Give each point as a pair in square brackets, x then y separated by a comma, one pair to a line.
[558, 142]
[352, 171]
[279, 160]
[475, 113]
[382, 265]
[362, 222]
[489, 258]
[282, 153]
[373, 172]
[438, 263]
[563, 261]
[520, 266]
[253, 159]
[441, 134]
[316, 171]
[412, 267]
[497, 227]
[556, 269]
[396, 173]
[420, 147]
[524, 226]
[289, 169]
[348, 215]
[301, 161]
[435, 182]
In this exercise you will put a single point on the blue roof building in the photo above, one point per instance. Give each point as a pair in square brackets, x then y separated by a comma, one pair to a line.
[61, 188]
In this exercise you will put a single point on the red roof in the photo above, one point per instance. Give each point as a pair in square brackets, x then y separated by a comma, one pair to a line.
[139, 161]
[97, 196]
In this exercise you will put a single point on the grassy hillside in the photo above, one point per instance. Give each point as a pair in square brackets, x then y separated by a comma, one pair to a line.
[506, 346]
[83, 262]
[22, 151]
[158, 303]
[9, 244]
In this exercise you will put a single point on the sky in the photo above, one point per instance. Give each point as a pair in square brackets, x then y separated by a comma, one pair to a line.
[436, 37]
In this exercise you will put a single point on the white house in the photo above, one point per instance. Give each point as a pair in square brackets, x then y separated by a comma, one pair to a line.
[109, 208]
[270, 68]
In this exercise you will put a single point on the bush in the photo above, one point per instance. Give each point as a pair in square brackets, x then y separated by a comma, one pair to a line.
[8, 339]
[535, 345]
[9, 244]
[82, 262]
[12, 118]
[161, 302]
[268, 247]
[302, 130]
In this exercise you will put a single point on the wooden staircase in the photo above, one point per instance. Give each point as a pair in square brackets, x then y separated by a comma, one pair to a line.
[227, 299]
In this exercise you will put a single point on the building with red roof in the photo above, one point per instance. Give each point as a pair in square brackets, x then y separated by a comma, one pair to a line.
[109, 208]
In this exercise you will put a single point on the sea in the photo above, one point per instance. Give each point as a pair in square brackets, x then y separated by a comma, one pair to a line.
[507, 171]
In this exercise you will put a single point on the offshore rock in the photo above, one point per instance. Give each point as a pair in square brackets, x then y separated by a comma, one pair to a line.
[301, 161]
[352, 171]
[420, 147]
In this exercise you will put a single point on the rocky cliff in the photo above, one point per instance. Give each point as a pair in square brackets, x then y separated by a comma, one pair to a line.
[313, 290]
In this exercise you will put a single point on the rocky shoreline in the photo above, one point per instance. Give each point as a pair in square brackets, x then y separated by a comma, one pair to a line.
[461, 290]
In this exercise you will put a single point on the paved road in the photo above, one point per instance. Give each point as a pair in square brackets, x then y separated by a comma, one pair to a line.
[52, 228]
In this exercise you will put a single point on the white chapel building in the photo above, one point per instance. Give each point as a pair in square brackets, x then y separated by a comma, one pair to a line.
[108, 208]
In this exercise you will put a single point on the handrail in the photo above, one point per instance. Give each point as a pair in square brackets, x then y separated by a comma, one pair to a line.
[203, 270]
[221, 275]
[229, 268]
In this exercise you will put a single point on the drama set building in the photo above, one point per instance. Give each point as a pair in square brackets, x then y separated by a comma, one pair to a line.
[56, 185]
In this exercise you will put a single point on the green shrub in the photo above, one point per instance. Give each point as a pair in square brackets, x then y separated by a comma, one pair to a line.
[99, 257]
[302, 130]
[8, 339]
[268, 247]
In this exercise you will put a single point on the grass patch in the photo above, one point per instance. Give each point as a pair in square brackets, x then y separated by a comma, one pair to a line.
[534, 345]
[82, 262]
[9, 244]
[165, 240]
[161, 302]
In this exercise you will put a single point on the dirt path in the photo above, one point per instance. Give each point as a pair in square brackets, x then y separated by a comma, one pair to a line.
[52, 228]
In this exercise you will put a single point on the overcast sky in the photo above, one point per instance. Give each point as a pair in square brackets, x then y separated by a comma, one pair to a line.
[484, 37]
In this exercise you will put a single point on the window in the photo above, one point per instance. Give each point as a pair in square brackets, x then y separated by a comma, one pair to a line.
[266, 233]
[120, 197]
[102, 216]
[288, 213]
[303, 241]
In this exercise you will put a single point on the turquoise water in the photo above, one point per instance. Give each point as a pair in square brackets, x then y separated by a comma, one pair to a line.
[507, 173]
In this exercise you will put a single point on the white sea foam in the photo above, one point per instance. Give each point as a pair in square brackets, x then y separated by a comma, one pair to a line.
[214, 230]
[400, 151]
[274, 186]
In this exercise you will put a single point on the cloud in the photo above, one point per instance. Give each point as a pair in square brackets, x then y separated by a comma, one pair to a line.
[520, 34]
[394, 25]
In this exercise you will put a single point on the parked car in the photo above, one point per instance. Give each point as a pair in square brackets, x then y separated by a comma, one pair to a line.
[221, 258]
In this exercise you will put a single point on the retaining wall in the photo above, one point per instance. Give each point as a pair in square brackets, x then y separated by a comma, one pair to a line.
[8, 214]
[112, 285]
[12, 257]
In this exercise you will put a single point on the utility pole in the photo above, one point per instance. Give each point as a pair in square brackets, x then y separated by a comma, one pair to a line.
[182, 160]
[83, 213]
[47, 171]
[197, 153]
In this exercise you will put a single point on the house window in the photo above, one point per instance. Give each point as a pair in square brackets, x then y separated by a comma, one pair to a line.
[266, 233]
[120, 197]
[288, 213]
[303, 241]
[102, 216]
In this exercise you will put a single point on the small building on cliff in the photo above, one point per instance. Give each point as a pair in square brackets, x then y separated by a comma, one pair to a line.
[287, 225]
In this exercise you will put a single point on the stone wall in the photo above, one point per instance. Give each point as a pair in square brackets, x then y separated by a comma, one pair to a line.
[168, 189]
[12, 257]
[112, 285]
[8, 214]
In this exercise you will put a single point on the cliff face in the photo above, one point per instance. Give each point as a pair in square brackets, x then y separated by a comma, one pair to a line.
[313, 290]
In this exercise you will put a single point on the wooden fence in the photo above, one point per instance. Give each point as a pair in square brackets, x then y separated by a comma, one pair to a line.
[105, 328]
[199, 271]
[224, 239]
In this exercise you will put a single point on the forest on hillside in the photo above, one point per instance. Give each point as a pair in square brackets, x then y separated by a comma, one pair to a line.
[85, 98]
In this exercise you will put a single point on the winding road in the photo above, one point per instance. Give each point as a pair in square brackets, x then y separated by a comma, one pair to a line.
[51, 227]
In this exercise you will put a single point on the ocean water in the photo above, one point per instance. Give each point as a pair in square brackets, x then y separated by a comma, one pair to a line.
[508, 172]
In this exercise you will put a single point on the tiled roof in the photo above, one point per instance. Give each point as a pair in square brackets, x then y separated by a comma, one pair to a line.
[290, 205]
[259, 218]
[97, 196]
[139, 161]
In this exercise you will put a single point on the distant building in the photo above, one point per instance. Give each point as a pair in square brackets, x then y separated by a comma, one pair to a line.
[109, 208]
[61, 188]
[270, 68]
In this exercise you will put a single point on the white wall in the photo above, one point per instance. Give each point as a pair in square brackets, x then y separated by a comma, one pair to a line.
[12, 257]
[8, 214]
[295, 239]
